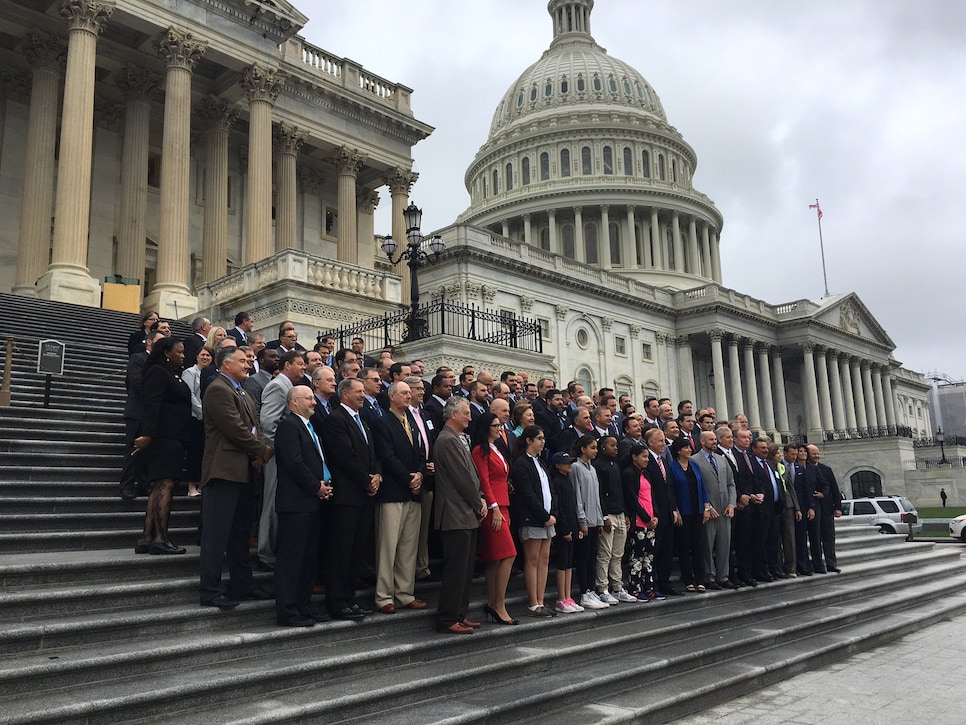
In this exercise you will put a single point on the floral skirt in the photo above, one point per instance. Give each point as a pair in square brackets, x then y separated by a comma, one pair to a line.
[640, 580]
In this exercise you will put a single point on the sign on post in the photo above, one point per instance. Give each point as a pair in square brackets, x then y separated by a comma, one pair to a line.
[50, 357]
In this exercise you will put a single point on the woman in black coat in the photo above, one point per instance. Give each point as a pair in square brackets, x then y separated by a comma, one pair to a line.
[135, 343]
[165, 434]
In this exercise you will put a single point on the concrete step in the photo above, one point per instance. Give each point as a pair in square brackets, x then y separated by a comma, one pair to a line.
[23, 571]
[28, 433]
[68, 445]
[83, 540]
[34, 416]
[65, 463]
[74, 522]
[108, 505]
[98, 490]
[17, 471]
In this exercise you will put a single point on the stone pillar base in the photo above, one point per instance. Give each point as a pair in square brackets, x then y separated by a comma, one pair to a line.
[171, 304]
[26, 290]
[69, 285]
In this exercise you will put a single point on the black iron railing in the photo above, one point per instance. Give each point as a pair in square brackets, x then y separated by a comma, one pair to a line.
[452, 319]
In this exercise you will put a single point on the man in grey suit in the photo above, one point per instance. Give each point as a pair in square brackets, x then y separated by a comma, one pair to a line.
[459, 509]
[720, 484]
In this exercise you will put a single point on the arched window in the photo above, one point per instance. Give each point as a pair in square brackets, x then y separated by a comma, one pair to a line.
[674, 170]
[585, 377]
[520, 100]
[564, 85]
[565, 162]
[627, 88]
[548, 89]
[646, 162]
[608, 160]
[615, 244]
[496, 182]
[533, 93]
[612, 84]
[590, 243]
[544, 166]
[581, 84]
[628, 162]
[660, 168]
[525, 170]
[597, 84]
[508, 179]
[585, 166]
[567, 232]
[545, 238]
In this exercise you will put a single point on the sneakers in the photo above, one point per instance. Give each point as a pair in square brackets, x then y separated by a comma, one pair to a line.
[576, 607]
[590, 600]
[656, 596]
[624, 596]
[563, 606]
[607, 598]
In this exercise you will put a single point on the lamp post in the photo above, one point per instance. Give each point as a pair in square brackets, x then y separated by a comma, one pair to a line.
[417, 256]
[941, 440]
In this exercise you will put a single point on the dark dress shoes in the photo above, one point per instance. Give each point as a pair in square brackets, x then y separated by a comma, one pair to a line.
[470, 623]
[142, 547]
[835, 569]
[221, 601]
[728, 584]
[361, 610]
[165, 547]
[257, 595]
[457, 628]
[349, 614]
[316, 614]
[714, 586]
[671, 591]
[805, 572]
[129, 493]
[296, 622]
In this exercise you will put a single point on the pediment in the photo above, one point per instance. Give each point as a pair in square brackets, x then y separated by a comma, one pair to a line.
[275, 19]
[850, 315]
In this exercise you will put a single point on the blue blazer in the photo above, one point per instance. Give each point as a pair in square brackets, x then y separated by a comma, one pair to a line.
[680, 480]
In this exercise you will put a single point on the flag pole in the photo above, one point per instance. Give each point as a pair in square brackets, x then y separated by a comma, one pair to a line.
[821, 243]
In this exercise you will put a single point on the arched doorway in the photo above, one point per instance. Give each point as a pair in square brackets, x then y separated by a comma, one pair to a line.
[866, 483]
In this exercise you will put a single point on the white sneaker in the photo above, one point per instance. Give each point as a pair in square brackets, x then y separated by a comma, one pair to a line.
[573, 605]
[624, 596]
[589, 600]
[564, 607]
[607, 598]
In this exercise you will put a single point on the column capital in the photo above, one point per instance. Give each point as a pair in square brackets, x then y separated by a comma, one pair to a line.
[763, 348]
[526, 303]
[833, 355]
[527, 215]
[607, 323]
[89, 15]
[663, 338]
[734, 340]
[866, 364]
[749, 343]
[107, 114]
[776, 352]
[400, 180]
[716, 333]
[821, 350]
[45, 51]
[604, 208]
[635, 329]
[216, 113]
[551, 212]
[807, 347]
[683, 340]
[261, 84]
[367, 199]
[348, 161]
[631, 208]
[578, 210]
[310, 180]
[561, 311]
[288, 139]
[179, 49]
[139, 84]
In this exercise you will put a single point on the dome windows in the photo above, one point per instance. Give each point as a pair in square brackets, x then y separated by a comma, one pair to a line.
[598, 86]
[565, 162]
[581, 84]
[564, 85]
[520, 100]
[627, 88]
[614, 232]
[586, 168]
[508, 179]
[548, 89]
[628, 162]
[496, 181]
[646, 164]
[533, 93]
[567, 233]
[640, 91]
[590, 243]
[612, 84]
[608, 160]
[544, 166]
[525, 170]
[661, 173]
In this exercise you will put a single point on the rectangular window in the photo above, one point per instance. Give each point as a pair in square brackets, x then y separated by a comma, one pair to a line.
[331, 221]
[646, 351]
[620, 346]
[544, 328]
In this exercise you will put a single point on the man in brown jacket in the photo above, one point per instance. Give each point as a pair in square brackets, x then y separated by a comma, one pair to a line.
[233, 447]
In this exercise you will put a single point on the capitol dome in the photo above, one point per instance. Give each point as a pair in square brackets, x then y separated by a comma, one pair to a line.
[581, 161]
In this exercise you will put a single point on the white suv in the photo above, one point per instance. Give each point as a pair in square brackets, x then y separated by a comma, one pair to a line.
[889, 513]
[957, 528]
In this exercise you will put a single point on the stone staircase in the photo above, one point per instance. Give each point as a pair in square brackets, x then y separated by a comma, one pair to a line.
[92, 633]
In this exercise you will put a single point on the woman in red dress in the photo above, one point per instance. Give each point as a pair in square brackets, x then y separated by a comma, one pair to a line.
[498, 551]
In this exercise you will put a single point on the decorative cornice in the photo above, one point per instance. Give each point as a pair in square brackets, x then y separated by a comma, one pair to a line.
[138, 84]
[179, 49]
[261, 84]
[44, 51]
[89, 15]
[216, 113]
[288, 139]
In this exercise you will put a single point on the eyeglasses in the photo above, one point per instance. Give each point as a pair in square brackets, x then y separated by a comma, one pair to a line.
[496, 425]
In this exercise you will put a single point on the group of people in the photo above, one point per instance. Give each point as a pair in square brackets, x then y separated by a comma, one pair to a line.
[348, 468]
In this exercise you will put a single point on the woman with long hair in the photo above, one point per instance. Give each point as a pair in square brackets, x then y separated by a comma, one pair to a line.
[695, 508]
[497, 549]
[137, 339]
[196, 448]
[638, 503]
[165, 432]
[532, 498]
[522, 416]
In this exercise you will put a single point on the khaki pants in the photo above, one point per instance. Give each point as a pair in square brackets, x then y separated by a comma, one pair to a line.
[397, 532]
[610, 551]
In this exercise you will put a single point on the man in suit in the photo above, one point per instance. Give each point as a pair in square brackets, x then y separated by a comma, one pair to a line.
[828, 505]
[287, 338]
[478, 399]
[418, 390]
[274, 407]
[304, 483]
[403, 457]
[358, 346]
[200, 327]
[806, 502]
[665, 508]
[651, 412]
[459, 508]
[133, 466]
[791, 514]
[372, 384]
[349, 445]
[720, 484]
[440, 392]
[244, 324]
[234, 445]
[323, 384]
[632, 428]
[549, 416]
[744, 520]
[501, 409]
[581, 425]
[268, 361]
[767, 503]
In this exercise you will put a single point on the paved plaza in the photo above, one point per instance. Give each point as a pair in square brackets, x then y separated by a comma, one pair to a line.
[917, 679]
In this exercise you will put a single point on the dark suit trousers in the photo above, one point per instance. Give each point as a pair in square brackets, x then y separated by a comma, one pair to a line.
[296, 559]
[132, 470]
[459, 554]
[743, 543]
[692, 547]
[826, 529]
[226, 514]
[815, 541]
[762, 522]
[585, 559]
[663, 551]
[344, 541]
[789, 534]
[803, 561]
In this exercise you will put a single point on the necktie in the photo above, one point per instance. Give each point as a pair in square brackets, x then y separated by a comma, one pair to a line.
[361, 427]
[660, 464]
[377, 408]
[712, 462]
[318, 445]
[503, 436]
[422, 429]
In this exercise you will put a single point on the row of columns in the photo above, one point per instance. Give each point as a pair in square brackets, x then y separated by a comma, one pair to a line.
[703, 256]
[63, 273]
[840, 392]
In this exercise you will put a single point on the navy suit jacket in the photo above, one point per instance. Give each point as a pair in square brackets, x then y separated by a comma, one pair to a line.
[350, 457]
[821, 480]
[299, 468]
[399, 458]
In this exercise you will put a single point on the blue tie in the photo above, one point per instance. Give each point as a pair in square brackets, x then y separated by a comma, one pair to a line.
[713, 464]
[361, 427]
[318, 445]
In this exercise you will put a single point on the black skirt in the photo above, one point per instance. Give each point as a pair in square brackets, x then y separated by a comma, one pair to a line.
[165, 459]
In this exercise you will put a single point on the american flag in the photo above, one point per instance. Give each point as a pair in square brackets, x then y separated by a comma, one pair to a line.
[817, 209]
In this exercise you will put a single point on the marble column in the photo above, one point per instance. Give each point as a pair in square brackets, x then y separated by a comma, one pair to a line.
[348, 162]
[505, 228]
[810, 394]
[751, 387]
[660, 256]
[400, 181]
[778, 383]
[218, 117]
[139, 87]
[869, 394]
[603, 239]
[824, 389]
[527, 230]
[860, 410]
[580, 250]
[685, 368]
[68, 278]
[880, 409]
[262, 85]
[717, 362]
[366, 202]
[848, 393]
[737, 402]
[552, 231]
[45, 55]
[767, 400]
[677, 242]
[694, 252]
[708, 270]
[892, 419]
[716, 257]
[288, 140]
[838, 402]
[171, 295]
[630, 244]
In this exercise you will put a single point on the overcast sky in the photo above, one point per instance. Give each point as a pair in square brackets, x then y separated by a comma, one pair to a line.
[861, 104]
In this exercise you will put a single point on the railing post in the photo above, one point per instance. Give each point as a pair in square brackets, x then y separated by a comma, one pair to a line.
[513, 332]
[5, 390]
[442, 317]
[385, 330]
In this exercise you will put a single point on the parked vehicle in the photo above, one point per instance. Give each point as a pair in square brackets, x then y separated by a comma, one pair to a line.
[957, 528]
[891, 514]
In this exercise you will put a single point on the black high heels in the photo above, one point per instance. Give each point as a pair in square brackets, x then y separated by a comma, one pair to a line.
[492, 616]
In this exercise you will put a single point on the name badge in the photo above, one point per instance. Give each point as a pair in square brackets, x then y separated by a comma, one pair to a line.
[429, 425]
[254, 432]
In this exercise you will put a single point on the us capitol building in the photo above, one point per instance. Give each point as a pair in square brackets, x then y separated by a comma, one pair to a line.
[207, 153]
